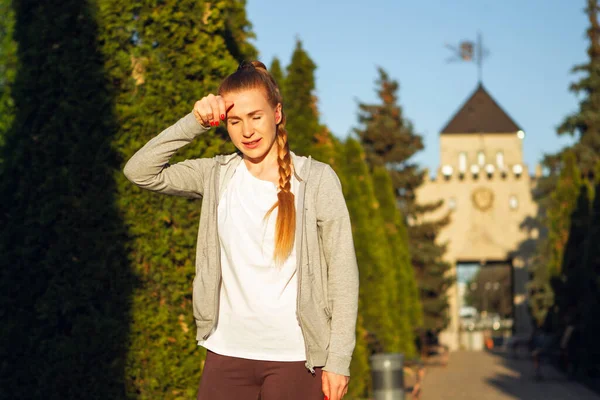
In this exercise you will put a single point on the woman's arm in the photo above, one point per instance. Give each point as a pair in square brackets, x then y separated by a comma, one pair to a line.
[333, 220]
[149, 167]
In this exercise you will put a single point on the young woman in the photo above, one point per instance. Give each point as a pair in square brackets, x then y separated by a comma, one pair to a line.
[275, 294]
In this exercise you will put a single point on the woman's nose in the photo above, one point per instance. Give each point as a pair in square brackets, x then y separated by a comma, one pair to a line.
[248, 132]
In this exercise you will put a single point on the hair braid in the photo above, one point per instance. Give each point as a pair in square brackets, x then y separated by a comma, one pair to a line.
[285, 226]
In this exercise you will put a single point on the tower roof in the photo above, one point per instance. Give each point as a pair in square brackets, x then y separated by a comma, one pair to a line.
[481, 114]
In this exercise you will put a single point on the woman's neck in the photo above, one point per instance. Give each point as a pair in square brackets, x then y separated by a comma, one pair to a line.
[266, 169]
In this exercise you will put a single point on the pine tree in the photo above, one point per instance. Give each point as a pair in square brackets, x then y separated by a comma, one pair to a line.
[377, 278]
[300, 102]
[389, 140]
[65, 276]
[161, 58]
[585, 123]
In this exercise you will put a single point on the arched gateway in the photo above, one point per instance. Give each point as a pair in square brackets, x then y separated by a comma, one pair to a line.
[487, 188]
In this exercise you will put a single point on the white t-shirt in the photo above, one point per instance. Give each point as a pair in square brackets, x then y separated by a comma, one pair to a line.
[257, 308]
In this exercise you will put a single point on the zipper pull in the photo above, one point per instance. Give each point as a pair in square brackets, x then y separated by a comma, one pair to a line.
[310, 368]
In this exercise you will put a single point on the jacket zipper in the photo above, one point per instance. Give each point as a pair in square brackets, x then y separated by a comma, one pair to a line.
[217, 289]
[309, 364]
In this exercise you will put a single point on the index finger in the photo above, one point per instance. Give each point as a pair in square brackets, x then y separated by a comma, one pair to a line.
[223, 108]
[228, 107]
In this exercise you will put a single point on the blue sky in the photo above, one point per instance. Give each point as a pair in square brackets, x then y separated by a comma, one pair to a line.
[532, 44]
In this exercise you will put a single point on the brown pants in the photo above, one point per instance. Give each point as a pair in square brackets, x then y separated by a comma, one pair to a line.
[231, 378]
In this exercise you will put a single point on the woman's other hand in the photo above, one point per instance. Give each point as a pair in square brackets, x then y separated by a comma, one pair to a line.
[335, 386]
[209, 110]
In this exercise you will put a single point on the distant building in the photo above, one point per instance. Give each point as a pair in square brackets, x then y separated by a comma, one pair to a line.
[487, 188]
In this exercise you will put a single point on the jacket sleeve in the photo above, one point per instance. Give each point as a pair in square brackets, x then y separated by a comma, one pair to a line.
[333, 221]
[149, 167]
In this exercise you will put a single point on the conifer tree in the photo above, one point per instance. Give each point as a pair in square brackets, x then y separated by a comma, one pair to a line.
[549, 259]
[65, 276]
[585, 126]
[585, 123]
[360, 370]
[541, 295]
[300, 102]
[404, 304]
[277, 73]
[590, 298]
[564, 200]
[572, 279]
[161, 59]
[377, 279]
[389, 140]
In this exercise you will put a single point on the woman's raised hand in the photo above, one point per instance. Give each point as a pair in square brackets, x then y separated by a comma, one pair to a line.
[210, 109]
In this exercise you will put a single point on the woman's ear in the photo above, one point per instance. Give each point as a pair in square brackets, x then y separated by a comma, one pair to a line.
[278, 113]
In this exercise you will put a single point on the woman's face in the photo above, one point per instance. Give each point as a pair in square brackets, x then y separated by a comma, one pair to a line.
[252, 123]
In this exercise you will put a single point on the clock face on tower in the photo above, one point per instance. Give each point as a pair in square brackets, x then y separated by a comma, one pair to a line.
[483, 198]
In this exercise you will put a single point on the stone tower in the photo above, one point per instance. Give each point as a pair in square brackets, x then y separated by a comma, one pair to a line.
[487, 189]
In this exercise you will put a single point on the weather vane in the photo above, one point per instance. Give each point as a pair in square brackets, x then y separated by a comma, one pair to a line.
[470, 51]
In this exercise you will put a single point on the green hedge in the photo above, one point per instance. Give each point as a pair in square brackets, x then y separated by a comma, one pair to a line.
[162, 57]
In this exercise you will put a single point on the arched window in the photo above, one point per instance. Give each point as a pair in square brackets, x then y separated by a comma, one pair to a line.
[500, 160]
[481, 158]
[513, 202]
[462, 162]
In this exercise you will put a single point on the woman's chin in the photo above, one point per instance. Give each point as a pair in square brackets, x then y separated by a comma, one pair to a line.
[252, 154]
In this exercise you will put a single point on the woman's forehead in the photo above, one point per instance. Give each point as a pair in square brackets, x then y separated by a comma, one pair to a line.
[246, 101]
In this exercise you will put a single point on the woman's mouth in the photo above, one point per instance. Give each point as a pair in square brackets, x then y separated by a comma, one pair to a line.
[253, 144]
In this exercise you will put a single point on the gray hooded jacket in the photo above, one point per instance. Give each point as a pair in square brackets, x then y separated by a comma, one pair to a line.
[327, 300]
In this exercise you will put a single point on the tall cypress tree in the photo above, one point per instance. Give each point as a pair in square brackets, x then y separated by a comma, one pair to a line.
[570, 285]
[360, 371]
[162, 57]
[377, 279]
[404, 305]
[65, 277]
[389, 140]
[300, 102]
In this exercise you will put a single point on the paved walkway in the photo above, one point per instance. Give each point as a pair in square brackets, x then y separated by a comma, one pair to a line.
[485, 376]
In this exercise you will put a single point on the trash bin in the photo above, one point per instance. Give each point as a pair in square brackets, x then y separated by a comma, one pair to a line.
[387, 374]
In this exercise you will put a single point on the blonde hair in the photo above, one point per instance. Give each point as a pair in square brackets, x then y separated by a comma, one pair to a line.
[254, 75]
